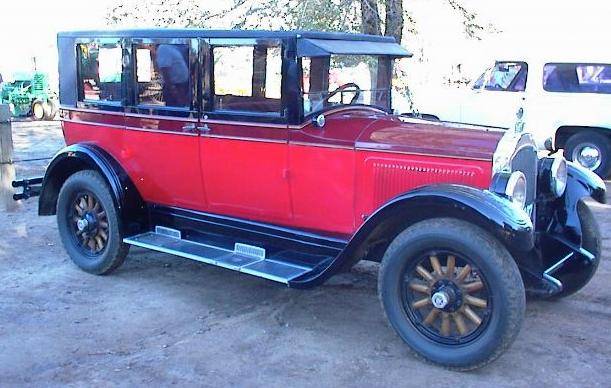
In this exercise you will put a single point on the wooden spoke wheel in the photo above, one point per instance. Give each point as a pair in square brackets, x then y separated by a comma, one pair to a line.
[446, 297]
[90, 223]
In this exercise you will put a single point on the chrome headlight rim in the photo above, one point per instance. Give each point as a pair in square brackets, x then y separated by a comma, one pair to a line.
[558, 176]
[517, 180]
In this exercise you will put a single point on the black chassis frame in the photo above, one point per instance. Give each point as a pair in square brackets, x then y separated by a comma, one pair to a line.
[550, 245]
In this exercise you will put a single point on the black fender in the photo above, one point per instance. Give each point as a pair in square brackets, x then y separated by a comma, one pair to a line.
[581, 183]
[512, 226]
[77, 157]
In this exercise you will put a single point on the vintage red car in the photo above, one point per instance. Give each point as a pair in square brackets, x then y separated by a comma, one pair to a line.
[276, 154]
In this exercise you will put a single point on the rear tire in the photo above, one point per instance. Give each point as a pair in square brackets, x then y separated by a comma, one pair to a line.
[490, 265]
[89, 225]
[38, 110]
[584, 143]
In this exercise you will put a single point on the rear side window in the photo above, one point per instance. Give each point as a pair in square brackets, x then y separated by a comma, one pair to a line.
[100, 72]
[248, 78]
[577, 78]
[163, 75]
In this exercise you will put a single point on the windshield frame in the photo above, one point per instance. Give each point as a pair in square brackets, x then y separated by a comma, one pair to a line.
[384, 70]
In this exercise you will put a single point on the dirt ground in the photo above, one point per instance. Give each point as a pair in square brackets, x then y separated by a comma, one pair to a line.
[162, 320]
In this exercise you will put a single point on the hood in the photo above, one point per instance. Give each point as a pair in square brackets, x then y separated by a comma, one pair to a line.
[435, 138]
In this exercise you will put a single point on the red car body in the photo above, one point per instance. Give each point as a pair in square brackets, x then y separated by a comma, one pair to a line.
[327, 180]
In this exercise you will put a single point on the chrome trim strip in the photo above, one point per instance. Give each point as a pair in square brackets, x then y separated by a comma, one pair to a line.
[92, 123]
[85, 110]
[159, 117]
[360, 148]
[243, 138]
[245, 123]
[160, 131]
[321, 145]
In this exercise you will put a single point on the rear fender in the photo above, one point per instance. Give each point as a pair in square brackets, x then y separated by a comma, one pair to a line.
[79, 157]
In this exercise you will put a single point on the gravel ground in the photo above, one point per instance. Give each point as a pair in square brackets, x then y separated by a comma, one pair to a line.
[163, 320]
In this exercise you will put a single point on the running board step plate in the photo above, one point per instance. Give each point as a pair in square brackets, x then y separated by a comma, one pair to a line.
[250, 261]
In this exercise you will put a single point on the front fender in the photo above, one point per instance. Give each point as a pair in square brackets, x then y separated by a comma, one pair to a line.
[79, 157]
[581, 183]
[511, 225]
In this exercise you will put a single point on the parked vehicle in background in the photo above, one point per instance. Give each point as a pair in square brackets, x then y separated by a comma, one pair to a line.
[275, 154]
[566, 97]
[30, 95]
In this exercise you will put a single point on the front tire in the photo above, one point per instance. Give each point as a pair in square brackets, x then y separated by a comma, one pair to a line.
[89, 225]
[38, 110]
[452, 292]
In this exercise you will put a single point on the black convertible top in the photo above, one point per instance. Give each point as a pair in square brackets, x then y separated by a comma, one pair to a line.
[309, 43]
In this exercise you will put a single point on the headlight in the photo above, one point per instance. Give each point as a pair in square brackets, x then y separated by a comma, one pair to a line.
[558, 177]
[516, 188]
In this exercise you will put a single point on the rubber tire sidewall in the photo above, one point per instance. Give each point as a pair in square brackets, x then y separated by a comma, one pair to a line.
[602, 142]
[115, 251]
[500, 271]
[41, 107]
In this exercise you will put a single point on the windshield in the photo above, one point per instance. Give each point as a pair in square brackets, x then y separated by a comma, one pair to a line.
[341, 80]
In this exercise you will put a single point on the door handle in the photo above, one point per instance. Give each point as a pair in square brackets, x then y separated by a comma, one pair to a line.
[204, 128]
[190, 128]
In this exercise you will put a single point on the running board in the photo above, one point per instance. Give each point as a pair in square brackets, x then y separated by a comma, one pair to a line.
[244, 258]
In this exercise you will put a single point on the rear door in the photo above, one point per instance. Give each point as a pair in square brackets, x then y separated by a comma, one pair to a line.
[161, 143]
[244, 135]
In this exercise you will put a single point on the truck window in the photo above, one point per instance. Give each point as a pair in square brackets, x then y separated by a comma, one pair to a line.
[100, 72]
[577, 78]
[248, 78]
[163, 75]
[506, 77]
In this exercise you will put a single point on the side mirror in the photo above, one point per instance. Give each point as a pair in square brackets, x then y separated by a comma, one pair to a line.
[319, 121]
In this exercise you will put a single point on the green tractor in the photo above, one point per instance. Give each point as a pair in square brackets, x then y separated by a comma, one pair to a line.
[30, 95]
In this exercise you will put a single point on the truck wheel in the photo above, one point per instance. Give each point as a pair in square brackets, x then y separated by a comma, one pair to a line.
[38, 110]
[577, 274]
[452, 292]
[88, 223]
[591, 150]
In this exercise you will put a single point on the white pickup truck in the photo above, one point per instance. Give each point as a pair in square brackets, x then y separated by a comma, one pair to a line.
[565, 97]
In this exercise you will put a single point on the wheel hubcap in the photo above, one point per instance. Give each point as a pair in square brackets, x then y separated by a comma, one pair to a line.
[448, 302]
[588, 156]
[90, 224]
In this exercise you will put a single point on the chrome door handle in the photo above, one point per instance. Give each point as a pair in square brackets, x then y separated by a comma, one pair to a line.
[204, 128]
[189, 128]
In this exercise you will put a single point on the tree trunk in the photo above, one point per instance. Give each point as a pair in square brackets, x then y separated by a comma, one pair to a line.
[370, 17]
[394, 19]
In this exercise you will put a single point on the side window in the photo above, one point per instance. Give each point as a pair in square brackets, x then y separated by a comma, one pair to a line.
[248, 78]
[163, 75]
[577, 78]
[100, 72]
[507, 77]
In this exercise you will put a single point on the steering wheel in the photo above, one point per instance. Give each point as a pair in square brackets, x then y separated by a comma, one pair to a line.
[342, 88]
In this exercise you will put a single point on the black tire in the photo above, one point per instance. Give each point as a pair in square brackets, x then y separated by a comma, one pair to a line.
[110, 253]
[49, 110]
[591, 139]
[498, 271]
[576, 275]
[38, 110]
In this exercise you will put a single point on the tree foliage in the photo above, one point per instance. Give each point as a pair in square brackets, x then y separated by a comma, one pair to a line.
[377, 17]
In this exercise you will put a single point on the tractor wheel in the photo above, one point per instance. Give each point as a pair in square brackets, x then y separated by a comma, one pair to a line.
[50, 110]
[38, 110]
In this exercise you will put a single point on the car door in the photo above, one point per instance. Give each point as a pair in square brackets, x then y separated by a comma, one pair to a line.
[496, 96]
[161, 143]
[244, 134]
